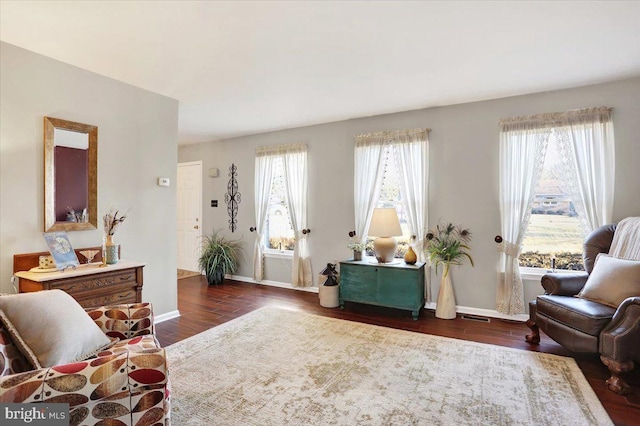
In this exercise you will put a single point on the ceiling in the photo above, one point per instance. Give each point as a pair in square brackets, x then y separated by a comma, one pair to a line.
[240, 68]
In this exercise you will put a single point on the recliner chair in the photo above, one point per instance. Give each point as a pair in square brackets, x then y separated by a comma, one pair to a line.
[583, 325]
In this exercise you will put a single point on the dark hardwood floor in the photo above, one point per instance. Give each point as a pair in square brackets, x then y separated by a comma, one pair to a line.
[202, 307]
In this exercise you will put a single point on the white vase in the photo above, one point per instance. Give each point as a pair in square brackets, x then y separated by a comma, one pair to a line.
[446, 306]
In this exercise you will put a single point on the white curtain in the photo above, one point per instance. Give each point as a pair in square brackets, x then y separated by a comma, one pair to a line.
[411, 151]
[295, 182]
[523, 145]
[262, 179]
[368, 172]
[593, 155]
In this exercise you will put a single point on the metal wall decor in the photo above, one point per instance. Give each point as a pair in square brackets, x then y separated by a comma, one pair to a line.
[232, 197]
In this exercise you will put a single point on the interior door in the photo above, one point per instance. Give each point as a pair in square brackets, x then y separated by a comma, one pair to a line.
[189, 226]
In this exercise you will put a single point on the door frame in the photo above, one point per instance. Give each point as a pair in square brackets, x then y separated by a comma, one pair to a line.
[200, 229]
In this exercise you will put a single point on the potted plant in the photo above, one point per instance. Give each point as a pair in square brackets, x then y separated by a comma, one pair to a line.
[219, 257]
[357, 248]
[112, 220]
[447, 245]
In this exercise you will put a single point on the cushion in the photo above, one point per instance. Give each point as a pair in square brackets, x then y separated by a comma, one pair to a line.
[612, 280]
[12, 361]
[51, 328]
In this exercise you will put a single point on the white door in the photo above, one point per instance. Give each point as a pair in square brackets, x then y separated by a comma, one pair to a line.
[189, 226]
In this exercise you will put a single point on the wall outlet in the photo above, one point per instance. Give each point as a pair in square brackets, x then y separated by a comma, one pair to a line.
[214, 203]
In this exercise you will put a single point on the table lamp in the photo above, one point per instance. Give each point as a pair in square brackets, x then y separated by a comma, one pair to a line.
[385, 225]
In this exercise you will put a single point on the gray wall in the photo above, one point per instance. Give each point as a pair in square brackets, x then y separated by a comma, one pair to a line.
[463, 177]
[137, 142]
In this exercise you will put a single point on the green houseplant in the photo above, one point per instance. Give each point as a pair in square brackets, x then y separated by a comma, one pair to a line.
[219, 257]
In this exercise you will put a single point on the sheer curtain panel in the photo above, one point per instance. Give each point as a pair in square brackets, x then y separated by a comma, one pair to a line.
[411, 151]
[592, 143]
[367, 181]
[263, 179]
[522, 150]
[295, 172]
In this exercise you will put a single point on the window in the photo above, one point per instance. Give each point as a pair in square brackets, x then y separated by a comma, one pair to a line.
[555, 234]
[281, 209]
[278, 233]
[391, 196]
[586, 148]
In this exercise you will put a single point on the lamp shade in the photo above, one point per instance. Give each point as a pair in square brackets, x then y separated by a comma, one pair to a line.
[385, 223]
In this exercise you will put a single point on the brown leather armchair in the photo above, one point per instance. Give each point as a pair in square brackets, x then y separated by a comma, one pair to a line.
[582, 325]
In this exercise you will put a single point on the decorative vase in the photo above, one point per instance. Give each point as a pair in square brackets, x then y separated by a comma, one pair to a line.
[329, 296]
[446, 306]
[357, 255]
[410, 257]
[110, 250]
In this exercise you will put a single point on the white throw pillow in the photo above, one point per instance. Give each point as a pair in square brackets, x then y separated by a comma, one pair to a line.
[52, 328]
[612, 280]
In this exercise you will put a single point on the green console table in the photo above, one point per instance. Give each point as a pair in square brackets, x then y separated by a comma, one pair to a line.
[396, 285]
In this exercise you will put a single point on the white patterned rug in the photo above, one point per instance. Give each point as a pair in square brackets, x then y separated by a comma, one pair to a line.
[280, 367]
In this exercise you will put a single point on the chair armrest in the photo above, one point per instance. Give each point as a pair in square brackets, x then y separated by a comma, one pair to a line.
[113, 377]
[620, 339]
[124, 321]
[563, 284]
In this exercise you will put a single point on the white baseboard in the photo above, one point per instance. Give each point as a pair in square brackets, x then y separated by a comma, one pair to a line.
[273, 283]
[167, 316]
[491, 313]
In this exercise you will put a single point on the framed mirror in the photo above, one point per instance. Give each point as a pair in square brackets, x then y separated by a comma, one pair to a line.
[70, 175]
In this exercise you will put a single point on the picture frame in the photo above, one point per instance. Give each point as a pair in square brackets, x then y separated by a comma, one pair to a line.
[61, 249]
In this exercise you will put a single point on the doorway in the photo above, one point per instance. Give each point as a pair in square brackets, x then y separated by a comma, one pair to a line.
[189, 214]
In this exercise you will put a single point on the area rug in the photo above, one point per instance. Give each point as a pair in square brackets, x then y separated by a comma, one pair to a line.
[183, 273]
[280, 367]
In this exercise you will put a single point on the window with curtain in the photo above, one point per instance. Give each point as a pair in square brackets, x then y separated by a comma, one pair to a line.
[392, 169]
[281, 208]
[582, 156]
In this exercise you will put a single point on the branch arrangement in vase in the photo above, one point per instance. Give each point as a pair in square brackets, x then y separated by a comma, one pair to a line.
[448, 245]
[112, 220]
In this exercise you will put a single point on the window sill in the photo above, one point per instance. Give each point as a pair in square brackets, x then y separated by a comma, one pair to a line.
[277, 254]
[527, 273]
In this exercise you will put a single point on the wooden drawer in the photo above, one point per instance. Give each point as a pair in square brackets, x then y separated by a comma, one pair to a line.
[116, 297]
[84, 284]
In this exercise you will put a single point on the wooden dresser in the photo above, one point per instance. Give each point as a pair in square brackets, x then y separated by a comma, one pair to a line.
[395, 285]
[90, 284]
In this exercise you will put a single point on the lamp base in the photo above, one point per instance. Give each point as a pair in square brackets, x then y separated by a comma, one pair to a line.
[385, 249]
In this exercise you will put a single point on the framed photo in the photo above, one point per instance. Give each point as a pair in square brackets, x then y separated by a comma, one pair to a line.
[63, 253]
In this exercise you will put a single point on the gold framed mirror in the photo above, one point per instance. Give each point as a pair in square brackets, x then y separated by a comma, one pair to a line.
[70, 175]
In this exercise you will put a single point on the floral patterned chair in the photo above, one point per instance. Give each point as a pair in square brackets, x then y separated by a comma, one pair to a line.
[126, 384]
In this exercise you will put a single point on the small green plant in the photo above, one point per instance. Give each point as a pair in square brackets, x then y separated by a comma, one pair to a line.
[219, 257]
[356, 246]
[447, 245]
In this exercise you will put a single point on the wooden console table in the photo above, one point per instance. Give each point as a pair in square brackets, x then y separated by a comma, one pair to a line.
[395, 285]
[90, 284]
